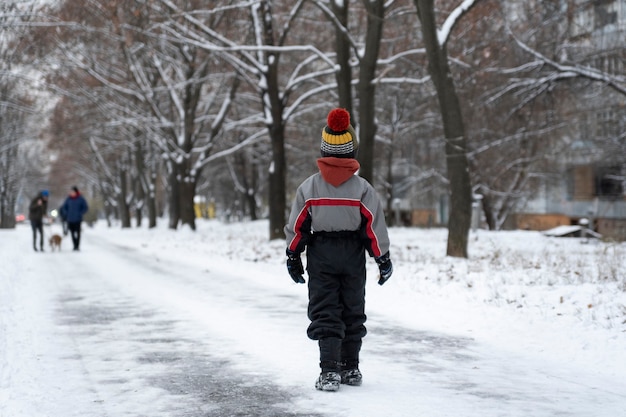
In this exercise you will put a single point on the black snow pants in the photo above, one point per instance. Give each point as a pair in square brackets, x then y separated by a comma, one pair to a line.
[336, 270]
[74, 229]
[37, 226]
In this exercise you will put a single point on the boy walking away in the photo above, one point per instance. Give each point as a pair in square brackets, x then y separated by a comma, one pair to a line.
[337, 216]
[37, 210]
[74, 207]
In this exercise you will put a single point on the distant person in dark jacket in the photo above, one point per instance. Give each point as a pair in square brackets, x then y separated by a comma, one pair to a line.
[74, 208]
[37, 210]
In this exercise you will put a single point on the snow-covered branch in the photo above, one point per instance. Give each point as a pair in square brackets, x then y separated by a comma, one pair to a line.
[616, 82]
[249, 141]
[105, 80]
[402, 54]
[512, 138]
[331, 16]
[444, 32]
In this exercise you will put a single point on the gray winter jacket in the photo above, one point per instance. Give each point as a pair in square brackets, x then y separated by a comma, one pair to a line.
[335, 200]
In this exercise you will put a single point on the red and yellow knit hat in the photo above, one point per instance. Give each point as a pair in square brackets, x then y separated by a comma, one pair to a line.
[338, 136]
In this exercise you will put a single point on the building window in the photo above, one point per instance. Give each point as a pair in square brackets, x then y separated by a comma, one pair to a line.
[582, 23]
[609, 123]
[605, 13]
[609, 182]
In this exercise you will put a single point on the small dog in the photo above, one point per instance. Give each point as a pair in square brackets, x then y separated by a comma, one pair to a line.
[55, 242]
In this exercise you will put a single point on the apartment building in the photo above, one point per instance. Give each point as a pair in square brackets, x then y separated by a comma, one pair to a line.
[592, 164]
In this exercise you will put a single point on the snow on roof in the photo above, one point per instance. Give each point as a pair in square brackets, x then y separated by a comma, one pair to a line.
[562, 231]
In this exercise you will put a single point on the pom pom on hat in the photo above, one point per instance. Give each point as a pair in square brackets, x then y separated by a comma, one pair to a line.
[338, 120]
[45, 193]
[338, 136]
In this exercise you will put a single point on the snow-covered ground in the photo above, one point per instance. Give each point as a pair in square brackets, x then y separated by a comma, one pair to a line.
[208, 323]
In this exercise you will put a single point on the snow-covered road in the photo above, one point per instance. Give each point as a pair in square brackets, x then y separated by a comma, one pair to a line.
[121, 329]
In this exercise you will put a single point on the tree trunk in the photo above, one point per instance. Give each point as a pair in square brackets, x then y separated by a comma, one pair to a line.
[9, 176]
[251, 203]
[187, 212]
[122, 206]
[139, 199]
[138, 215]
[7, 207]
[141, 180]
[151, 202]
[488, 211]
[152, 212]
[247, 169]
[367, 89]
[342, 48]
[7, 221]
[272, 98]
[108, 212]
[460, 219]
[174, 197]
[277, 180]
[152, 186]
[391, 218]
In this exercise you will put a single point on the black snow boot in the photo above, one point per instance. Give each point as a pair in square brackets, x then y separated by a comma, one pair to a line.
[330, 362]
[350, 373]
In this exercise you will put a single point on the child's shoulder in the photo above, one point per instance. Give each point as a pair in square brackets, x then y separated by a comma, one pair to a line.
[357, 179]
[311, 178]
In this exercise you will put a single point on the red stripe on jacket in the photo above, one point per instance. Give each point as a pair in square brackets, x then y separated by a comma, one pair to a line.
[369, 216]
[369, 231]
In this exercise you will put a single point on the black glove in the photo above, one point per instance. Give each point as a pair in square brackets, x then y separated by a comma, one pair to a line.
[385, 267]
[294, 266]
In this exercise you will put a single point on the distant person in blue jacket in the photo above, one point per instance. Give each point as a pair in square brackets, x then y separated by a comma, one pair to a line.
[74, 208]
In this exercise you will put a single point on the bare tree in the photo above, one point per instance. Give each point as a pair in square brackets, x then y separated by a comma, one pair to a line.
[18, 108]
[547, 82]
[456, 142]
[367, 69]
[361, 52]
[261, 62]
[169, 87]
[163, 96]
[506, 153]
[12, 120]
